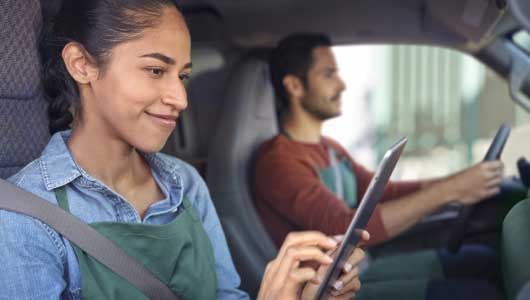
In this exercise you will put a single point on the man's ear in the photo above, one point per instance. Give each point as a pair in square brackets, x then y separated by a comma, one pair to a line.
[78, 63]
[293, 86]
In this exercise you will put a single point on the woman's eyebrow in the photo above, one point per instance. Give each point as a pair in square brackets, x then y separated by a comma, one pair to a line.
[164, 58]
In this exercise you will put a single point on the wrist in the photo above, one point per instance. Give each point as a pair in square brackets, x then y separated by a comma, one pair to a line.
[448, 191]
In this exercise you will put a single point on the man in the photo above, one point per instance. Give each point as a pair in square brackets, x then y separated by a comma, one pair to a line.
[295, 176]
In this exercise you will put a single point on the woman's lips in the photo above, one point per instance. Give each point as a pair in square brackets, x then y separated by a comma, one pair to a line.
[168, 121]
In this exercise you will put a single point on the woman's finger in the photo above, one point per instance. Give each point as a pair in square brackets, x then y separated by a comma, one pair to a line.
[294, 255]
[270, 272]
[364, 235]
[301, 275]
[351, 287]
[350, 273]
[355, 258]
[306, 238]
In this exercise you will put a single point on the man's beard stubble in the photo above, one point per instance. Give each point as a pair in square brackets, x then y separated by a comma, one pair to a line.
[317, 108]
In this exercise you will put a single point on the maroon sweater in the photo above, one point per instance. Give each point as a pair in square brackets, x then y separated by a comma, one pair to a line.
[290, 196]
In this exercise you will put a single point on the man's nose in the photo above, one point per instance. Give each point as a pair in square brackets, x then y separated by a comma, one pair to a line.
[342, 85]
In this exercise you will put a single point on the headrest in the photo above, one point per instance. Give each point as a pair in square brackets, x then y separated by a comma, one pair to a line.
[20, 25]
[23, 117]
[250, 99]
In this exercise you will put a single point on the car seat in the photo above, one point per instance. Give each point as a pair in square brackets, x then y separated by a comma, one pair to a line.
[23, 115]
[248, 118]
[515, 251]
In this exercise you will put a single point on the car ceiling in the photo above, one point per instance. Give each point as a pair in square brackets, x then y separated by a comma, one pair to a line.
[464, 24]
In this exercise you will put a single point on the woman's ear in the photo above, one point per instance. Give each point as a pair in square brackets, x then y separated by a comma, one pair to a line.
[79, 64]
[293, 86]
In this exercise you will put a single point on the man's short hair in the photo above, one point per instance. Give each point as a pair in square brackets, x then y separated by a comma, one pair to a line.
[293, 56]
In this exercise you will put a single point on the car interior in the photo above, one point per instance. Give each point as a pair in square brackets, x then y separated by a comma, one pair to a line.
[232, 108]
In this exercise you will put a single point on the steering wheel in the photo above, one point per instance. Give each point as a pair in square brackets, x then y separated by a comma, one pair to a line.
[494, 153]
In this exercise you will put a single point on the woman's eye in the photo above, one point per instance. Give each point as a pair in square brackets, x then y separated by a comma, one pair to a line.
[157, 72]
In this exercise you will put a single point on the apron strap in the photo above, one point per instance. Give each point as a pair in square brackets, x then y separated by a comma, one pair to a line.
[62, 198]
[85, 237]
[332, 155]
[337, 176]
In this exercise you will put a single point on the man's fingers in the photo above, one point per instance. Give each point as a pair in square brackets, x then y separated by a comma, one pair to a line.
[493, 182]
[493, 165]
[493, 174]
[492, 191]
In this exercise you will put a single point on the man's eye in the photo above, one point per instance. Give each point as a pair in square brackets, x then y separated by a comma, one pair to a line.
[184, 77]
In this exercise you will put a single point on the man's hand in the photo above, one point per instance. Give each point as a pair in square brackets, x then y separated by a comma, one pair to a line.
[477, 182]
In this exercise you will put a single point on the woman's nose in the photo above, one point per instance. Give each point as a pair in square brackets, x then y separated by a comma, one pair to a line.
[176, 96]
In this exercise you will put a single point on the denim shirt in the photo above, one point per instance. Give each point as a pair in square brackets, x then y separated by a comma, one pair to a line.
[37, 263]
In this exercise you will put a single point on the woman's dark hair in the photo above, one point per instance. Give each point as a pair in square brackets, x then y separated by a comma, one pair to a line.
[98, 25]
[293, 56]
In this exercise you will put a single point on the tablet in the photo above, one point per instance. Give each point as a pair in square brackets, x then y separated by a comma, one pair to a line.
[362, 215]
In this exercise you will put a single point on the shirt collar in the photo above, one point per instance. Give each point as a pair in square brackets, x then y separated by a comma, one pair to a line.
[59, 168]
[57, 165]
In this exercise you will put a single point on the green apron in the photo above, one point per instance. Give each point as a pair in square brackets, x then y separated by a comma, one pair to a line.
[178, 253]
[349, 185]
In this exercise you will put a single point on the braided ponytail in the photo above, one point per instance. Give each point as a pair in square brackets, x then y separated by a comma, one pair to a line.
[59, 90]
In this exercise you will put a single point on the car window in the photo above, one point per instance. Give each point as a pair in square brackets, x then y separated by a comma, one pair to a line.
[522, 39]
[447, 103]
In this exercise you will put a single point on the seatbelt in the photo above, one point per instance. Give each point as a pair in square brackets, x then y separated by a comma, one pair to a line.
[337, 176]
[85, 237]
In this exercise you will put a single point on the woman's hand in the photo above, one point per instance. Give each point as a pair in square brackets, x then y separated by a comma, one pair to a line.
[348, 283]
[286, 277]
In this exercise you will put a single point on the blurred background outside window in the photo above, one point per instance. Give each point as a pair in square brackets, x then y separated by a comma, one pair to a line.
[447, 103]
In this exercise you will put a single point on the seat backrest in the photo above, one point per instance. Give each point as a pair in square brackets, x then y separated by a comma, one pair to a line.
[248, 118]
[189, 140]
[23, 117]
[516, 248]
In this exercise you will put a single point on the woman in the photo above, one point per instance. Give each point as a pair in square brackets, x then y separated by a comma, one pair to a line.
[120, 66]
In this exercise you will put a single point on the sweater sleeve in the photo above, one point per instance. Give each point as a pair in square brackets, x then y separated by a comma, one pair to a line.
[292, 188]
